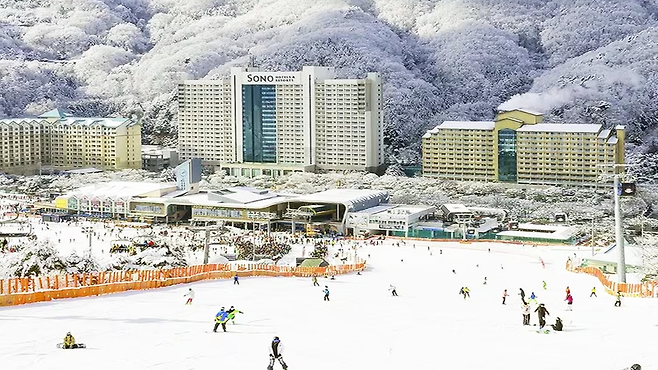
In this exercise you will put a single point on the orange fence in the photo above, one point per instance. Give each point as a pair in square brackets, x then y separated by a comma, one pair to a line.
[29, 290]
[644, 289]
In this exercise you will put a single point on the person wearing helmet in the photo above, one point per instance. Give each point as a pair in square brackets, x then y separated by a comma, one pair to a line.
[231, 314]
[276, 353]
[69, 341]
[220, 319]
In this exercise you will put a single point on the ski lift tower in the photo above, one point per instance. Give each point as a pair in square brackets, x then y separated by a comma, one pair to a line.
[210, 231]
[624, 188]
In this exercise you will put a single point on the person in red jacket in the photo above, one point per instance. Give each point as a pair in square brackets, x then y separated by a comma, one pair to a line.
[569, 302]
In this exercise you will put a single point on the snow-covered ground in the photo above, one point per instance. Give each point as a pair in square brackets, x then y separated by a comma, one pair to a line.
[429, 326]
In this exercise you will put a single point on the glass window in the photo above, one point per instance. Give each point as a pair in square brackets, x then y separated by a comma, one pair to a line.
[507, 155]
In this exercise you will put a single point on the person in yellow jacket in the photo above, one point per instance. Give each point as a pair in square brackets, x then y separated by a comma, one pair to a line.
[69, 341]
[593, 292]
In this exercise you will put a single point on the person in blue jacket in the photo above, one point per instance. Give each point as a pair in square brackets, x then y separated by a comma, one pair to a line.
[236, 279]
[326, 293]
[221, 318]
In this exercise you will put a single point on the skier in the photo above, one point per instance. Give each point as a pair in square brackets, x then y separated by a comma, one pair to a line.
[568, 291]
[618, 301]
[220, 319]
[525, 309]
[634, 367]
[522, 294]
[232, 311]
[558, 325]
[541, 314]
[533, 298]
[569, 302]
[453, 271]
[190, 296]
[315, 281]
[461, 291]
[276, 353]
[326, 293]
[236, 279]
[505, 295]
[544, 284]
[593, 293]
[485, 281]
[467, 292]
[391, 288]
[69, 342]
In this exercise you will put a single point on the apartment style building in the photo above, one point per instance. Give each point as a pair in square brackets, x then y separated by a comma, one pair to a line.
[271, 123]
[57, 140]
[519, 148]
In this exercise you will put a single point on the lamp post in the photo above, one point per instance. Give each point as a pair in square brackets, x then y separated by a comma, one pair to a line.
[593, 235]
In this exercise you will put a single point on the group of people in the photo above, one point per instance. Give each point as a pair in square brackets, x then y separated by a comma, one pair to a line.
[224, 316]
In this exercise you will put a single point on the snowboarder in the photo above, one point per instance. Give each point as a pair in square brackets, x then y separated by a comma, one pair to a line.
[467, 292]
[505, 295]
[315, 281]
[541, 314]
[544, 284]
[593, 293]
[69, 342]
[522, 294]
[326, 293]
[236, 279]
[569, 302]
[190, 296]
[485, 281]
[276, 353]
[618, 301]
[525, 309]
[220, 319]
[232, 311]
[558, 325]
[391, 289]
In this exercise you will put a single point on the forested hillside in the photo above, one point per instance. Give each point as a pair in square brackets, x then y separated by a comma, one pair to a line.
[579, 61]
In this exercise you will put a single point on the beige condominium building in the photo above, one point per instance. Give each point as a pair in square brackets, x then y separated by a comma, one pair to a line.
[270, 123]
[519, 148]
[57, 140]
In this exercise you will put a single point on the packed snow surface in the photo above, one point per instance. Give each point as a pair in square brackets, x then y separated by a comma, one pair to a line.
[428, 326]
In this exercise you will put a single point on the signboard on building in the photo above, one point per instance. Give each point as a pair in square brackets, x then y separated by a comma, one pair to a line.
[272, 78]
[188, 175]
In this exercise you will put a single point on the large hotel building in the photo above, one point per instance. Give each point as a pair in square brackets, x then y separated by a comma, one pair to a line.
[272, 123]
[57, 140]
[518, 148]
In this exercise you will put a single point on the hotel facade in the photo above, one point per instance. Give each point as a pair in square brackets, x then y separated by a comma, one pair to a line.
[271, 123]
[519, 148]
[57, 140]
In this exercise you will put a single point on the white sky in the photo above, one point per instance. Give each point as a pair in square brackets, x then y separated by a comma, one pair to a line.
[429, 326]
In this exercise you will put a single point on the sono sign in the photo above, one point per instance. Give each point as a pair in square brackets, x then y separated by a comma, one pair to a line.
[273, 78]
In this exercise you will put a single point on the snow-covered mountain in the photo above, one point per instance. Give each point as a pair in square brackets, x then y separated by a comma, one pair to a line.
[580, 61]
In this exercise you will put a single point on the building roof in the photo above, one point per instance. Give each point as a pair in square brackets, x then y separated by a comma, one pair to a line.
[560, 127]
[529, 111]
[633, 253]
[207, 199]
[604, 134]
[354, 199]
[83, 171]
[93, 121]
[119, 189]
[456, 208]
[55, 113]
[536, 231]
[467, 125]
